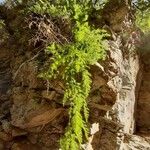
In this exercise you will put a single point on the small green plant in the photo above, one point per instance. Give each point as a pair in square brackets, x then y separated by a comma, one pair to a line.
[1, 24]
[71, 61]
[143, 20]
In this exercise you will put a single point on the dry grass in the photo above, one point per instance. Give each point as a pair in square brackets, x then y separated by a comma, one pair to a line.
[47, 30]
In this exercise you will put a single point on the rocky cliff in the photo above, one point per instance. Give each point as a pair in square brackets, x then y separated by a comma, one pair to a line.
[31, 111]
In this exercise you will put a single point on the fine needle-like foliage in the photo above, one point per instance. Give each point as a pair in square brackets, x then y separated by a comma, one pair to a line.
[71, 62]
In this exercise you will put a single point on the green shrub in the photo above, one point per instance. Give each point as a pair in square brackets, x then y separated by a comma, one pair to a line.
[143, 20]
[71, 62]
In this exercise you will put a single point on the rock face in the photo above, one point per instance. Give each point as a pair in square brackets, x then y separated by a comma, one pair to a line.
[124, 79]
[126, 125]
[124, 84]
[143, 107]
[31, 112]
[128, 79]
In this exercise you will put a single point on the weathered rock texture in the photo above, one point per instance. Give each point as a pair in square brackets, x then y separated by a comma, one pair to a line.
[143, 107]
[32, 115]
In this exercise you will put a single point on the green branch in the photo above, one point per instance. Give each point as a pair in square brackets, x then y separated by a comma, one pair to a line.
[74, 59]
